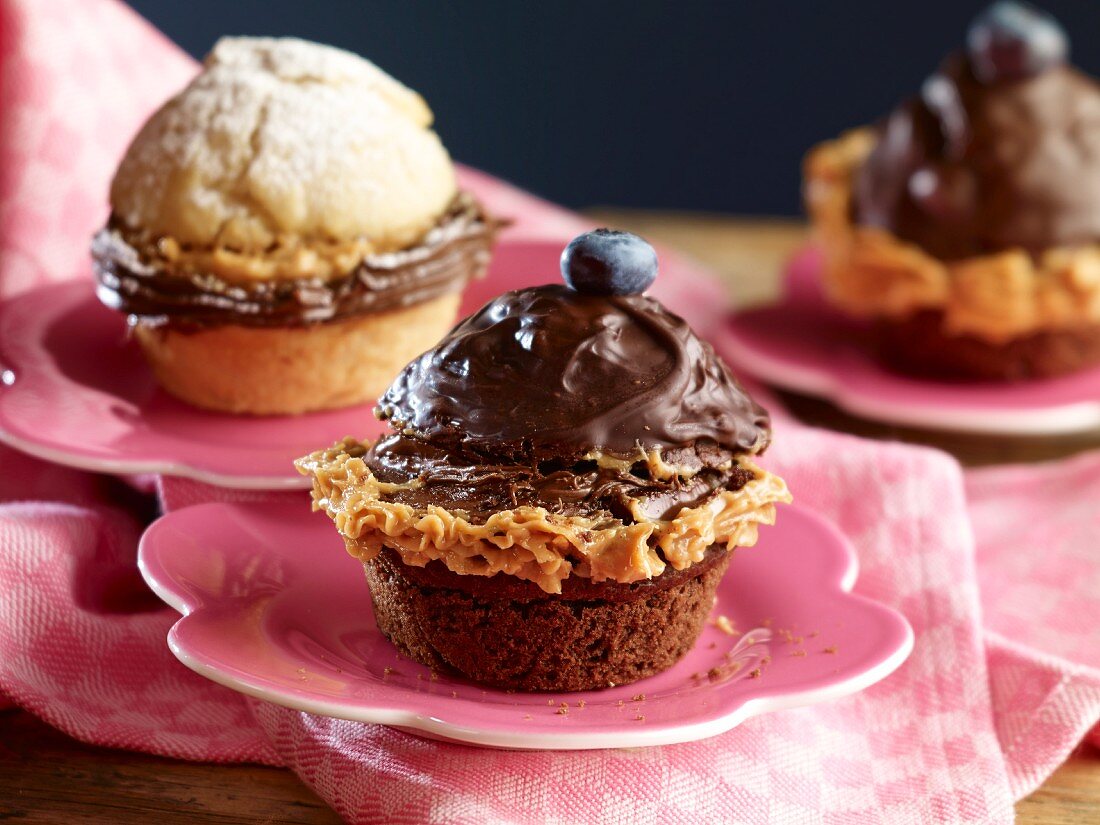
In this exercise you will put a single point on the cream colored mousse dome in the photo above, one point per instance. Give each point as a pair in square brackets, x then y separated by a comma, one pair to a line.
[282, 142]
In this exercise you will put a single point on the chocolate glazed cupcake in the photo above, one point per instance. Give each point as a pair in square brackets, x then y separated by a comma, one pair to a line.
[569, 471]
[967, 223]
[286, 233]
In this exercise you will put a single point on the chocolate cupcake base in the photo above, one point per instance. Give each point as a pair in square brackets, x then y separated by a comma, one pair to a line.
[508, 633]
[919, 346]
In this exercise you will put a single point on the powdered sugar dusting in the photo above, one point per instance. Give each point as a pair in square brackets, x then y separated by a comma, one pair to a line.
[285, 136]
[292, 60]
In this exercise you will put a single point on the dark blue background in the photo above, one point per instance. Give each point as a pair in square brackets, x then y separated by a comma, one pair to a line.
[681, 105]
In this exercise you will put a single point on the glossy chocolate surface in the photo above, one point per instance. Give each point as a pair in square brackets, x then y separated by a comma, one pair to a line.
[547, 373]
[968, 168]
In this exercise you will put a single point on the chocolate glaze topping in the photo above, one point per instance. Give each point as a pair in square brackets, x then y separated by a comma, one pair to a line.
[969, 168]
[549, 373]
[454, 251]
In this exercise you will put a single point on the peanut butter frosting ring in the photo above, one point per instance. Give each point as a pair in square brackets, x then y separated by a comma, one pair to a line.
[532, 542]
[158, 281]
[997, 297]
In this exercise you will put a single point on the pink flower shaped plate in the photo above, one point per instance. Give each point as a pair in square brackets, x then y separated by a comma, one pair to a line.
[75, 390]
[801, 344]
[274, 607]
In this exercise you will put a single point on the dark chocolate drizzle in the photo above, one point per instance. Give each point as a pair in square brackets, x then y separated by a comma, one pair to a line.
[551, 373]
[969, 168]
[454, 251]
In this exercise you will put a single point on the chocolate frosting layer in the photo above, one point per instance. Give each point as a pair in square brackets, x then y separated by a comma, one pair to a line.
[549, 372]
[968, 168]
[481, 488]
[457, 249]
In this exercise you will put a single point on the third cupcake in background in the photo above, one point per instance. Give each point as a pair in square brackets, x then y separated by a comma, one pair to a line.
[569, 472]
[287, 231]
[967, 222]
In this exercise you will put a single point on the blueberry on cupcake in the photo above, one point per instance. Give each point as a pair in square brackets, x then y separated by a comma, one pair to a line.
[568, 473]
[967, 222]
[286, 232]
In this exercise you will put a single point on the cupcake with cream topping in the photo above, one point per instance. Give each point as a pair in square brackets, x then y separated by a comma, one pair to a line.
[967, 223]
[568, 474]
[287, 231]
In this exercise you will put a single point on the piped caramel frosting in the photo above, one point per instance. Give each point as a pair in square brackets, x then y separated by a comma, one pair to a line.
[157, 282]
[536, 540]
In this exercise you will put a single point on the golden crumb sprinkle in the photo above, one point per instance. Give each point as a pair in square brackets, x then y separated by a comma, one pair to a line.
[726, 626]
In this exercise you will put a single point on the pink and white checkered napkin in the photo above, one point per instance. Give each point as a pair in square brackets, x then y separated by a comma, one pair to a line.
[997, 570]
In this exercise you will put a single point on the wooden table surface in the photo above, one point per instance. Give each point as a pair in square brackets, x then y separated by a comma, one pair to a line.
[47, 778]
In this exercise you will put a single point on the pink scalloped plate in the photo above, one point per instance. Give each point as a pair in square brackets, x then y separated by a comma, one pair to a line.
[75, 390]
[801, 344]
[274, 607]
